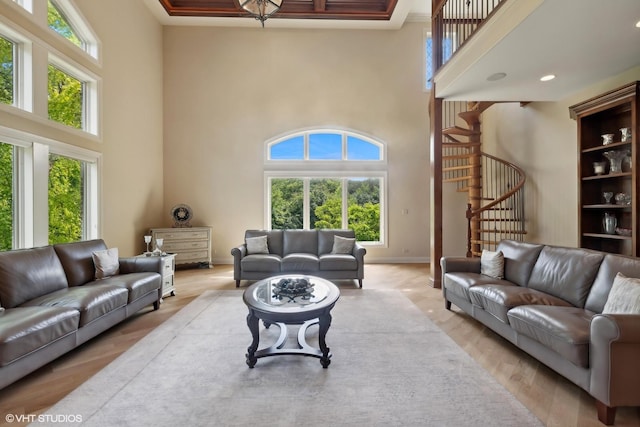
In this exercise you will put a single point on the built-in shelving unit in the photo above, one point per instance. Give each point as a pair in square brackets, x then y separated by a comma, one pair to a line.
[608, 114]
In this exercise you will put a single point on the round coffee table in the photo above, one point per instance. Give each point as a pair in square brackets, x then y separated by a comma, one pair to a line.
[290, 300]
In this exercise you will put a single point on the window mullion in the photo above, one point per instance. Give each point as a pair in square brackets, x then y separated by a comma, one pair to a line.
[345, 203]
[306, 204]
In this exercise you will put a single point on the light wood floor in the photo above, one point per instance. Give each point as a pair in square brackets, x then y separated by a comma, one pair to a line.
[550, 397]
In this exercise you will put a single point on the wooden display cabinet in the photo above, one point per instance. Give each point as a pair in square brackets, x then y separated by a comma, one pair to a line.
[607, 114]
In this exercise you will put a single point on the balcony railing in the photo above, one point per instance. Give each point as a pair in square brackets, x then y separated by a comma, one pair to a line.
[454, 22]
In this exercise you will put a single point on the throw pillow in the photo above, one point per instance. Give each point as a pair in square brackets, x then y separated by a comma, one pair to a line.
[343, 245]
[257, 245]
[492, 264]
[624, 297]
[106, 263]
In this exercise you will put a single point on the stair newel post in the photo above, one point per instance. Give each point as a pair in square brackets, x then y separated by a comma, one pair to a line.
[469, 215]
[475, 183]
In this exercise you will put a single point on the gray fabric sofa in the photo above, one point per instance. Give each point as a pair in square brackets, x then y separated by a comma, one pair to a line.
[299, 252]
[52, 303]
[550, 305]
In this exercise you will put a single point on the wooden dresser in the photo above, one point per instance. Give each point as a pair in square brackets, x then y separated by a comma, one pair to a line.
[190, 244]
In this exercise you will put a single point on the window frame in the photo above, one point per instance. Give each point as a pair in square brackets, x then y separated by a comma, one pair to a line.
[308, 169]
[78, 23]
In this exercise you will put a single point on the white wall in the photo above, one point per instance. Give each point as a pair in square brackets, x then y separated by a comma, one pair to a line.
[542, 139]
[227, 90]
[132, 193]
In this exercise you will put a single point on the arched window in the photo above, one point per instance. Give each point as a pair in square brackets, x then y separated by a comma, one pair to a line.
[327, 178]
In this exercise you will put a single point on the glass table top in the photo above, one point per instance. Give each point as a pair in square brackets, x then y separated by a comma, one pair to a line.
[291, 292]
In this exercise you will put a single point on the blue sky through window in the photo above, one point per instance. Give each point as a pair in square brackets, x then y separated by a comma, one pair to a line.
[325, 146]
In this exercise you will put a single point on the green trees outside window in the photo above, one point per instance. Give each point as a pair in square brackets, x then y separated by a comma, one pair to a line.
[58, 23]
[326, 204]
[6, 71]
[66, 199]
[6, 196]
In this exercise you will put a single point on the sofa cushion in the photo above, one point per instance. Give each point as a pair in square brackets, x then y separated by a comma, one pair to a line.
[257, 245]
[92, 301]
[261, 263]
[77, 260]
[499, 299]
[26, 329]
[610, 266]
[106, 263]
[565, 330]
[300, 241]
[274, 239]
[326, 238]
[519, 259]
[460, 283]
[300, 262]
[30, 273]
[137, 284]
[342, 262]
[624, 297]
[566, 273]
[492, 264]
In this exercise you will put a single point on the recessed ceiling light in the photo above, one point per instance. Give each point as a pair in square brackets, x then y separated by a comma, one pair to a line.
[496, 76]
[547, 77]
[638, 24]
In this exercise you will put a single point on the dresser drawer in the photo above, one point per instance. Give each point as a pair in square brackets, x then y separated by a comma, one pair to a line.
[193, 256]
[179, 246]
[182, 235]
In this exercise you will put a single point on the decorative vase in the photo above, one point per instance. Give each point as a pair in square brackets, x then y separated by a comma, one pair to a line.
[626, 134]
[607, 196]
[615, 160]
[607, 138]
[599, 167]
[609, 223]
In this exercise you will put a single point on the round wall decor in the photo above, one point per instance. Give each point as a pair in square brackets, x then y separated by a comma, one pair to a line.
[181, 215]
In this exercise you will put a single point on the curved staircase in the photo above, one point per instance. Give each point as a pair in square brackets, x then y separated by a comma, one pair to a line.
[495, 187]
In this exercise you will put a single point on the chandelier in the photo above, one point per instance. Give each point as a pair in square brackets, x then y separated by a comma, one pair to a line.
[261, 9]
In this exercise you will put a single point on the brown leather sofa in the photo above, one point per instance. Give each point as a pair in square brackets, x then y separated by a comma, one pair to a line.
[550, 305]
[299, 252]
[52, 303]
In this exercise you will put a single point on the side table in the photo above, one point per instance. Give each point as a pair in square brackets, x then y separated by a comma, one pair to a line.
[168, 263]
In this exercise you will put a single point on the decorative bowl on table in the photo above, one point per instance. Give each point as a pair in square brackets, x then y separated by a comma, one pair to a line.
[292, 288]
[623, 231]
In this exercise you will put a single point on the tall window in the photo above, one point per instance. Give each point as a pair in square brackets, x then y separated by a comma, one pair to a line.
[66, 98]
[327, 179]
[7, 77]
[66, 199]
[6, 197]
[447, 45]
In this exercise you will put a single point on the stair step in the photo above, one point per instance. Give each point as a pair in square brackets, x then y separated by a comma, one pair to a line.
[497, 219]
[457, 179]
[471, 117]
[459, 156]
[456, 168]
[503, 231]
[457, 130]
[461, 144]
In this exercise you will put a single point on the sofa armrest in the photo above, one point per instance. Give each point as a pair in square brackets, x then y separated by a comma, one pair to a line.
[359, 252]
[150, 264]
[614, 352]
[238, 253]
[450, 264]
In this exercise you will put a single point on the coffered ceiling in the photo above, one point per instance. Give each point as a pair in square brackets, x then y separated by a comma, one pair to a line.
[300, 9]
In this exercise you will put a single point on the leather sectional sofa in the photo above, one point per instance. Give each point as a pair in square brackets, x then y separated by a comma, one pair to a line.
[51, 301]
[549, 304]
[299, 252]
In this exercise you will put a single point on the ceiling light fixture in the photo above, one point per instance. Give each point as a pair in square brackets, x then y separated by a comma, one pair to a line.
[638, 24]
[261, 9]
[496, 76]
[547, 77]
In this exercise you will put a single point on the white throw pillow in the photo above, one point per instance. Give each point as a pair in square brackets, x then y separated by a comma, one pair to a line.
[492, 264]
[257, 245]
[624, 297]
[343, 245]
[106, 263]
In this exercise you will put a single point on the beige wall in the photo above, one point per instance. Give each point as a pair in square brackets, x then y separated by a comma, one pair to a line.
[542, 139]
[227, 90]
[132, 193]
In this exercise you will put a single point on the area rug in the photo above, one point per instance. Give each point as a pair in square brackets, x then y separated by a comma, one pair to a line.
[391, 366]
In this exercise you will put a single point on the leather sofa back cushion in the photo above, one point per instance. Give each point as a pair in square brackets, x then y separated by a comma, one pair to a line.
[519, 259]
[26, 274]
[77, 260]
[325, 239]
[566, 273]
[300, 241]
[274, 239]
[611, 265]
